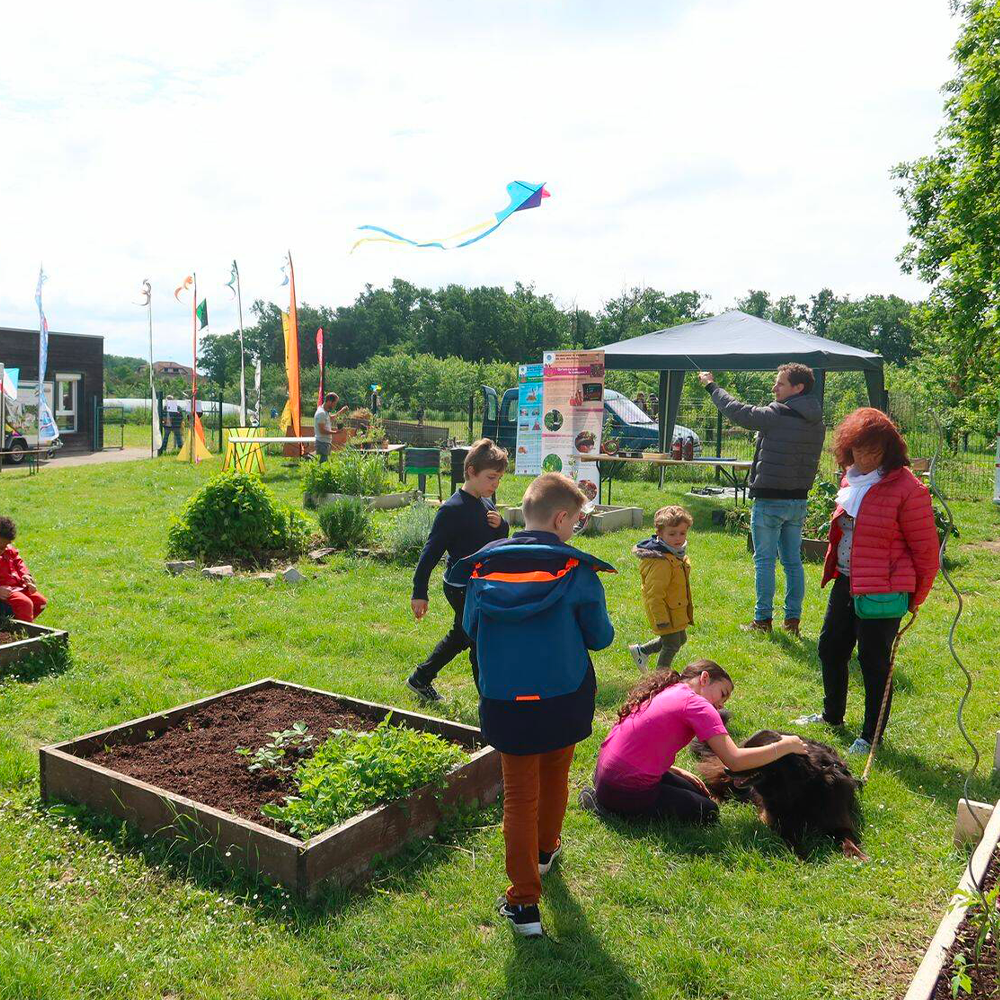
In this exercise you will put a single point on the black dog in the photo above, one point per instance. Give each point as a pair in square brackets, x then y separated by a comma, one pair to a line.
[795, 795]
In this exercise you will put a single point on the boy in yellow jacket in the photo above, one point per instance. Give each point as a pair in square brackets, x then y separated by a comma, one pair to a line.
[666, 587]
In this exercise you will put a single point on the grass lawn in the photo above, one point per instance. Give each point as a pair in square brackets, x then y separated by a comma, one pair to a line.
[633, 911]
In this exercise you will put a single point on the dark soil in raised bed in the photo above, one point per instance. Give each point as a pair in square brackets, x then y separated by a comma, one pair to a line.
[8, 637]
[985, 980]
[197, 758]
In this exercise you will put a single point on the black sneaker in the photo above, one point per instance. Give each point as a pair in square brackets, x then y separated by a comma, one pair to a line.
[545, 859]
[525, 920]
[588, 801]
[424, 691]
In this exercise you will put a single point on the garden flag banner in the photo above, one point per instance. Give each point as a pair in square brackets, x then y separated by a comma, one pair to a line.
[234, 279]
[256, 389]
[155, 439]
[194, 449]
[291, 416]
[322, 373]
[10, 379]
[47, 430]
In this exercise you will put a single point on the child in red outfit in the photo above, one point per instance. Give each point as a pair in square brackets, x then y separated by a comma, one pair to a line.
[17, 586]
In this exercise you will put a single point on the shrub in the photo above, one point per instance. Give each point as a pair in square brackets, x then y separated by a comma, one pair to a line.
[346, 523]
[351, 772]
[737, 519]
[319, 480]
[349, 471]
[820, 505]
[409, 531]
[235, 516]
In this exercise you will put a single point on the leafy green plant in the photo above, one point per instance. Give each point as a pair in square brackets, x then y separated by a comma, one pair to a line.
[351, 772]
[982, 912]
[347, 523]
[942, 524]
[820, 505]
[961, 981]
[271, 758]
[235, 516]
[363, 475]
[409, 531]
[737, 519]
[351, 472]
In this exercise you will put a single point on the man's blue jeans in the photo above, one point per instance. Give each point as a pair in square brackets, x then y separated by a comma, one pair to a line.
[776, 527]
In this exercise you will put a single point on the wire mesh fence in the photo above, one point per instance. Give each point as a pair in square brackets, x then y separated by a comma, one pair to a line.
[965, 468]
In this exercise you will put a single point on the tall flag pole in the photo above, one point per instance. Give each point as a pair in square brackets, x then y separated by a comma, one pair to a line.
[322, 367]
[155, 437]
[47, 430]
[256, 386]
[234, 279]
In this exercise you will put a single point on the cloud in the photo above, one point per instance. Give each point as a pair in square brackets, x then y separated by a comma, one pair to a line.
[718, 146]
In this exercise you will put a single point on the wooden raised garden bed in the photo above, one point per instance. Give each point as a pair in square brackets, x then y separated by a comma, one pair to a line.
[602, 520]
[813, 549]
[933, 978]
[27, 639]
[176, 775]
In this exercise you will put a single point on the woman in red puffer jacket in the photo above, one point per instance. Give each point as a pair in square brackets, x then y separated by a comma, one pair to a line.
[883, 540]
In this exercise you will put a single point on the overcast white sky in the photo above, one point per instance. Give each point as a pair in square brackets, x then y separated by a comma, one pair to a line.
[709, 144]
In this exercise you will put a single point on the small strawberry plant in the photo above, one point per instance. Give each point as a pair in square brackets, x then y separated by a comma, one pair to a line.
[280, 755]
[351, 772]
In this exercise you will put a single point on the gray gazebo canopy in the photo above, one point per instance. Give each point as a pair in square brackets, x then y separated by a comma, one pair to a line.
[735, 341]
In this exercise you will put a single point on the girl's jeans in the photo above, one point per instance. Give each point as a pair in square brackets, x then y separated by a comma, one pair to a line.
[776, 527]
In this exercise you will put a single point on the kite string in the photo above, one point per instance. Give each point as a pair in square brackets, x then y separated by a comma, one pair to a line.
[960, 713]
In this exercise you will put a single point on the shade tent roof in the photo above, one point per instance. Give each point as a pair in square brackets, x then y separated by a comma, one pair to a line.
[734, 341]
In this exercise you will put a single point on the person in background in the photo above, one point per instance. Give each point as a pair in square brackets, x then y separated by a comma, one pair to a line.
[636, 775]
[17, 585]
[172, 423]
[883, 540]
[790, 436]
[535, 610]
[464, 523]
[640, 401]
[323, 426]
[666, 587]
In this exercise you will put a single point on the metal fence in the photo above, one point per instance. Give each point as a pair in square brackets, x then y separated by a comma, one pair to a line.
[965, 469]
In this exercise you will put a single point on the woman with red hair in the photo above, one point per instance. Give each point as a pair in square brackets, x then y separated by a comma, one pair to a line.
[882, 557]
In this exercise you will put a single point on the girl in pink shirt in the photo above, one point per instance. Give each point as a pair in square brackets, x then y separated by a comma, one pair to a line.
[665, 711]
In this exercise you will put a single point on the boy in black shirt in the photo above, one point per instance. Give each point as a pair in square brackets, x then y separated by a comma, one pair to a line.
[465, 523]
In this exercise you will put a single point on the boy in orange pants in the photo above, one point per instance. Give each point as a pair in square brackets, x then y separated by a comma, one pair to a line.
[534, 608]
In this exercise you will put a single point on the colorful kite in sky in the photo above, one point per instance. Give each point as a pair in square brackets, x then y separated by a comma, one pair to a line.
[522, 195]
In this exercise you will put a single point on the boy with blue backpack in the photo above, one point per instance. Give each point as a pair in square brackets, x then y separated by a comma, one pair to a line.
[534, 609]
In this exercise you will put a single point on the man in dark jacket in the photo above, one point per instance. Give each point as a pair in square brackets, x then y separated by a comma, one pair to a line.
[790, 436]
[534, 608]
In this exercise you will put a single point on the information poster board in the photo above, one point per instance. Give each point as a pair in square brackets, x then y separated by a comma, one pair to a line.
[573, 414]
[528, 459]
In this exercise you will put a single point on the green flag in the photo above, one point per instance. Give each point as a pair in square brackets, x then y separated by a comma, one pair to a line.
[202, 313]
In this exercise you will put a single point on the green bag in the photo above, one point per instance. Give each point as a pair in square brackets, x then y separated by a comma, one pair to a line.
[893, 605]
